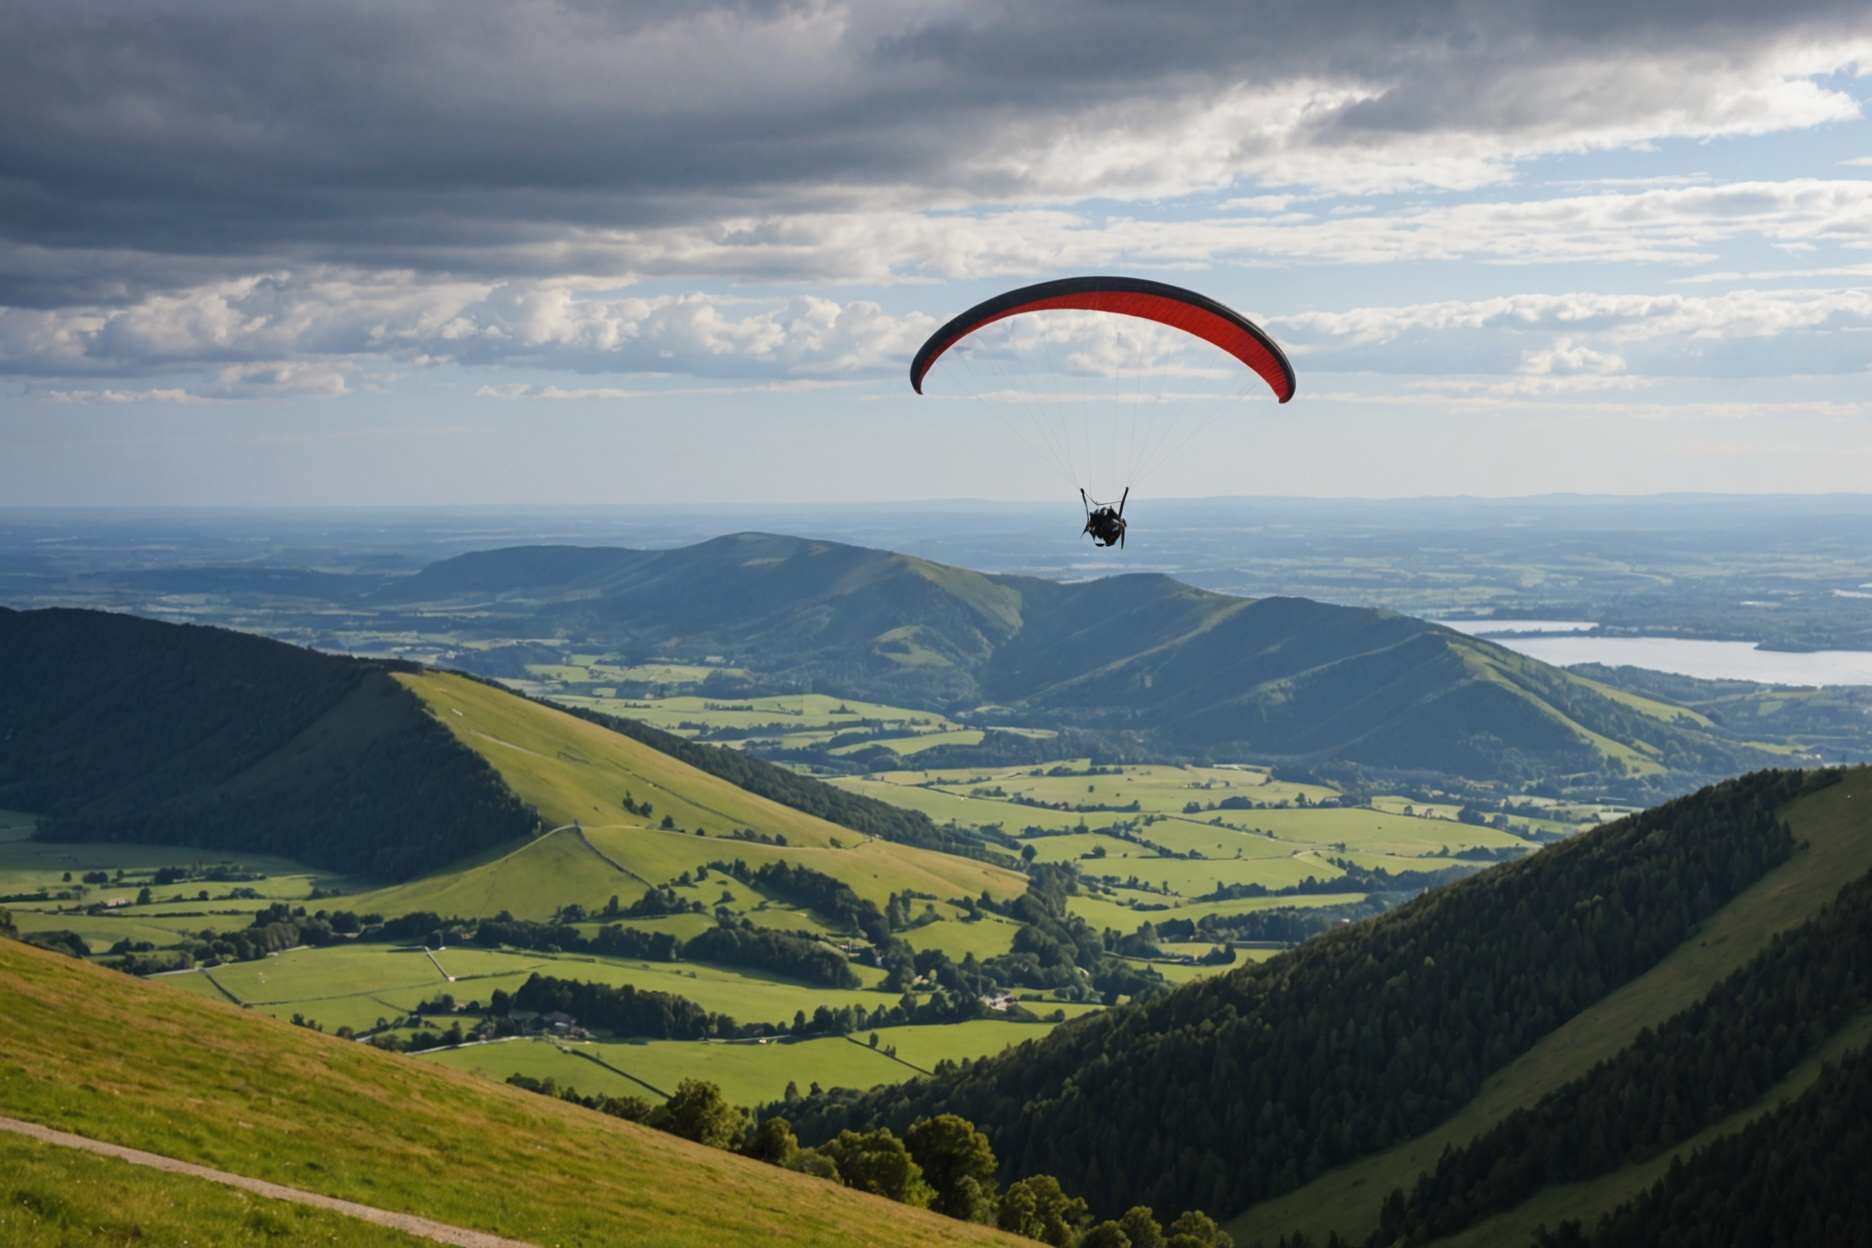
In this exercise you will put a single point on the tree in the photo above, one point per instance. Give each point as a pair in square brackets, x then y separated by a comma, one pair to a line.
[958, 1163]
[698, 1112]
[1107, 1234]
[773, 1142]
[876, 1161]
[1029, 853]
[1196, 1229]
[1141, 1227]
[1039, 1209]
[812, 1161]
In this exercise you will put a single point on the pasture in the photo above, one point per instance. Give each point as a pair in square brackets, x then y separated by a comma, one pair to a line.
[749, 1073]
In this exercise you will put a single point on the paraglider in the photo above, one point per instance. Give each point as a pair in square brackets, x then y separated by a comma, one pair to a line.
[1185, 311]
[1105, 523]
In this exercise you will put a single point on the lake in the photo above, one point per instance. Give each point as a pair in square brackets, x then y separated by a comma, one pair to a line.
[1707, 660]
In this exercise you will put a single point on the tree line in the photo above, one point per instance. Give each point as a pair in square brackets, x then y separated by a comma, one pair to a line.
[941, 1163]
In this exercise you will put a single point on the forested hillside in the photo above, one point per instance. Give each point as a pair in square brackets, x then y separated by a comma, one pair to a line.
[1711, 1060]
[122, 729]
[1797, 1176]
[1239, 1088]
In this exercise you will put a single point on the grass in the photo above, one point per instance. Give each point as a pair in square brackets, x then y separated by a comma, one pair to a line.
[748, 1074]
[987, 937]
[51, 1194]
[354, 985]
[574, 771]
[1831, 825]
[1103, 912]
[925, 1046]
[753, 1074]
[803, 719]
[225, 1088]
[916, 744]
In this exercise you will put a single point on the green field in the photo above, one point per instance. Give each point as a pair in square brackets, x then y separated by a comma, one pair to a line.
[353, 985]
[796, 720]
[1275, 844]
[1832, 824]
[226, 1088]
[748, 1073]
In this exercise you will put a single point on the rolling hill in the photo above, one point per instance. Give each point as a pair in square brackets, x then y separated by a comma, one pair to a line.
[1301, 1092]
[122, 729]
[1195, 671]
[574, 771]
[209, 1084]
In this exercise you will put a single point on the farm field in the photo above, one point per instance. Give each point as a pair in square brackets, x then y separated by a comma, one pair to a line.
[924, 1046]
[800, 719]
[748, 1073]
[352, 985]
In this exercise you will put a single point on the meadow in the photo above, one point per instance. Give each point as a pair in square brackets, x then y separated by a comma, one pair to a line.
[748, 1073]
[221, 1087]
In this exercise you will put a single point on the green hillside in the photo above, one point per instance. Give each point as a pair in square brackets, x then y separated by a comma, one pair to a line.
[577, 772]
[1186, 669]
[213, 1085]
[122, 729]
[1367, 1037]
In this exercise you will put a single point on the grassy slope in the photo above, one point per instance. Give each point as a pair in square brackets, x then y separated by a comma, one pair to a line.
[55, 1195]
[1833, 826]
[222, 1088]
[572, 770]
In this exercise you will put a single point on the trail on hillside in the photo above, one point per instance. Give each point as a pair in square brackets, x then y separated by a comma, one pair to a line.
[408, 1223]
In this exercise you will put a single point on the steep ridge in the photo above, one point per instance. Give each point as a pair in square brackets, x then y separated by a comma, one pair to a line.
[1833, 833]
[1198, 671]
[125, 729]
[239, 1092]
[1234, 1090]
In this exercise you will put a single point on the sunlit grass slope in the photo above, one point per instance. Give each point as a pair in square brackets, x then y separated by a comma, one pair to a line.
[574, 771]
[89, 1051]
[1833, 833]
[50, 1194]
[571, 770]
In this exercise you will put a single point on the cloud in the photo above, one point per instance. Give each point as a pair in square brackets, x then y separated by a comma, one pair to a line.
[157, 146]
[1597, 336]
[292, 332]
[1567, 358]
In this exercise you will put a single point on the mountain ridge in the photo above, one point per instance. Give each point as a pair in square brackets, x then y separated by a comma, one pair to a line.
[1274, 678]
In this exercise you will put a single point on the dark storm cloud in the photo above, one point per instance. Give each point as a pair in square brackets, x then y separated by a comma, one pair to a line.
[150, 145]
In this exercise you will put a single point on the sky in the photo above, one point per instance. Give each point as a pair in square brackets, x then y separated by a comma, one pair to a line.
[679, 251]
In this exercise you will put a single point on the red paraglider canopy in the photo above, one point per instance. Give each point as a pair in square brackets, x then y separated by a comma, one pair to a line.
[1126, 296]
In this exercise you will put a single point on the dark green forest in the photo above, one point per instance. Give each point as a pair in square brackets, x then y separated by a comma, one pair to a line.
[1358, 1039]
[1796, 1176]
[1703, 1064]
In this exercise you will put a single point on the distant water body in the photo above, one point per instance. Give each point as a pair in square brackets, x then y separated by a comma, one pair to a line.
[1706, 660]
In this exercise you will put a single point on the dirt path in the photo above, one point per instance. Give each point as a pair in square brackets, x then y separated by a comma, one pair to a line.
[408, 1223]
